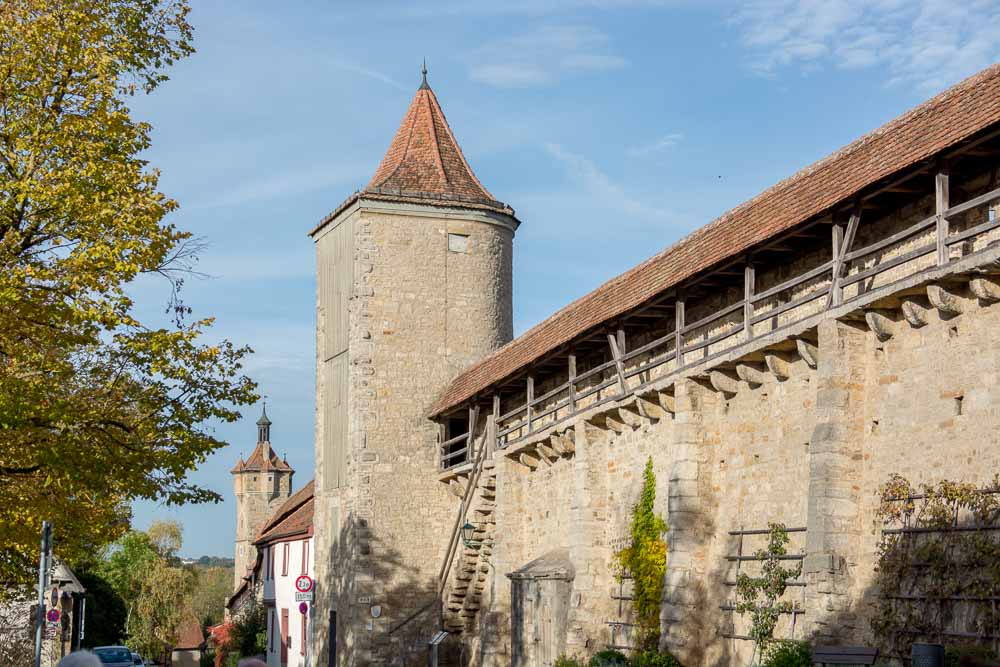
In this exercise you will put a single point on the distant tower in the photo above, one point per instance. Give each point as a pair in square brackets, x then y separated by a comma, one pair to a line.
[262, 483]
[414, 285]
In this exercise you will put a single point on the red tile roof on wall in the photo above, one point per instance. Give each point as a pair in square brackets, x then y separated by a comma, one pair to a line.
[943, 121]
[294, 517]
[189, 635]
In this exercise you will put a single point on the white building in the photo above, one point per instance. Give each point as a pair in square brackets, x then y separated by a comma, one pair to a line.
[285, 544]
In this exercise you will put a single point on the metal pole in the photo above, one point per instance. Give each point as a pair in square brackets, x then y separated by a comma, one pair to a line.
[43, 571]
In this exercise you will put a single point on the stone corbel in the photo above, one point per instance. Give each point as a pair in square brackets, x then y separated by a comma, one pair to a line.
[750, 374]
[916, 311]
[546, 453]
[986, 288]
[562, 444]
[630, 417]
[528, 460]
[948, 303]
[649, 410]
[808, 352]
[724, 383]
[779, 365]
[457, 488]
[880, 322]
[667, 401]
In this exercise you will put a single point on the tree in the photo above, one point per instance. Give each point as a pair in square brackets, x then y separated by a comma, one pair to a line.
[645, 559]
[166, 537]
[215, 585]
[760, 596]
[126, 565]
[105, 612]
[97, 408]
[164, 603]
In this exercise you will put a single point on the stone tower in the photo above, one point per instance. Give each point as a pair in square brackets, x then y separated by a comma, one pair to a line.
[261, 483]
[414, 284]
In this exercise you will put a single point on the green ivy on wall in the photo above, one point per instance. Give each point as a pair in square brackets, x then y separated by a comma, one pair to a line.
[646, 560]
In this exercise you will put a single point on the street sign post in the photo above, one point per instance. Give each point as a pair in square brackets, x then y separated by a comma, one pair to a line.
[44, 564]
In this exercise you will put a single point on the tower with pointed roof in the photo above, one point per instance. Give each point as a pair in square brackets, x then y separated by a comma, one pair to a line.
[414, 284]
[261, 484]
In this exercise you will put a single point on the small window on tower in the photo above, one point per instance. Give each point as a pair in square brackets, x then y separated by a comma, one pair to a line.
[458, 243]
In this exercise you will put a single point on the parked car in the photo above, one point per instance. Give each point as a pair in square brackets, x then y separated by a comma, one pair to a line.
[137, 660]
[114, 656]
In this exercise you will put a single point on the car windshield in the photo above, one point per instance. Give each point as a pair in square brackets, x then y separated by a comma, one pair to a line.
[109, 655]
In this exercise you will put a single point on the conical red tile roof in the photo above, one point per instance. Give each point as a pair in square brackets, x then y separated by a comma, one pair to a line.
[424, 157]
[263, 458]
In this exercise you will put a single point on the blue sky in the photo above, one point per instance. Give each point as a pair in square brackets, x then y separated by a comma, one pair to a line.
[613, 127]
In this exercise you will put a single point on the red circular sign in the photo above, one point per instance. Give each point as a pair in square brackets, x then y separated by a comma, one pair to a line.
[53, 615]
[303, 584]
[303, 608]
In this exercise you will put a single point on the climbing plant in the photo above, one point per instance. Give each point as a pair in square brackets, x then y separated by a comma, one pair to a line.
[938, 563]
[759, 596]
[645, 558]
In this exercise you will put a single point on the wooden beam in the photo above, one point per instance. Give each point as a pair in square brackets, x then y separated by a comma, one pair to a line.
[941, 193]
[678, 332]
[749, 280]
[617, 356]
[842, 246]
[571, 362]
[531, 398]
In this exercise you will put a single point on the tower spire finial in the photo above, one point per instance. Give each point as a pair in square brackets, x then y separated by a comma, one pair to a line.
[423, 72]
[264, 425]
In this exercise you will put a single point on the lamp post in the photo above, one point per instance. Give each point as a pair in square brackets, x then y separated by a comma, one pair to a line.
[468, 536]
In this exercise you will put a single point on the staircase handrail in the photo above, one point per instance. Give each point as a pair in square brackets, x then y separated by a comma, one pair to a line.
[463, 507]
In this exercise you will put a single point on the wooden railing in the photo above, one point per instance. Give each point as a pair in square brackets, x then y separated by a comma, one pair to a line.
[676, 347]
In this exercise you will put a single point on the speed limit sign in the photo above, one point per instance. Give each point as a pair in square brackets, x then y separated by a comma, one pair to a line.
[303, 584]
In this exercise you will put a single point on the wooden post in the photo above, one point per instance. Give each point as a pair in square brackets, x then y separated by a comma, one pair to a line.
[531, 398]
[941, 204]
[492, 441]
[471, 440]
[749, 278]
[572, 383]
[836, 291]
[678, 332]
[617, 357]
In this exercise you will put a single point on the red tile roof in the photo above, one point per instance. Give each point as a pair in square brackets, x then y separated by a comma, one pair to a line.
[941, 122]
[189, 635]
[261, 461]
[294, 517]
[425, 165]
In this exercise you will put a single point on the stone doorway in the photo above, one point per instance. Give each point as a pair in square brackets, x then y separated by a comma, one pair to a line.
[540, 598]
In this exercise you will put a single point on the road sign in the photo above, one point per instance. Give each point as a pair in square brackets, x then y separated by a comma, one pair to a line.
[303, 584]
[303, 608]
[304, 597]
[52, 616]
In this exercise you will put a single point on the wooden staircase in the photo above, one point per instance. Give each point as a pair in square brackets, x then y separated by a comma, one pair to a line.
[463, 593]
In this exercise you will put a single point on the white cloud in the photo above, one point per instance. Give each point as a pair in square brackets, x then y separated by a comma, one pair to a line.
[600, 186]
[658, 146]
[543, 55]
[928, 44]
[367, 72]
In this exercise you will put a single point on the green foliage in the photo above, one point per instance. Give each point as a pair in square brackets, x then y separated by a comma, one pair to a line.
[207, 658]
[760, 596]
[646, 560]
[164, 603]
[608, 658]
[787, 653]
[920, 575]
[214, 585]
[971, 653]
[248, 634]
[97, 408]
[105, 612]
[565, 661]
[653, 658]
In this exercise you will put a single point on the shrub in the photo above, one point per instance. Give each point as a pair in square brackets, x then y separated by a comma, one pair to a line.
[787, 653]
[654, 659]
[609, 658]
[974, 654]
[564, 661]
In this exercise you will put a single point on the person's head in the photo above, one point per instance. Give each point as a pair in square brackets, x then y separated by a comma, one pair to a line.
[251, 662]
[80, 659]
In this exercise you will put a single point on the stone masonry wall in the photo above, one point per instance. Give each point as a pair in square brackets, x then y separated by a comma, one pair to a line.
[419, 313]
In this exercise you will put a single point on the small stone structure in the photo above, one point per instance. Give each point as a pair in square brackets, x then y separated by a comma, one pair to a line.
[776, 366]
